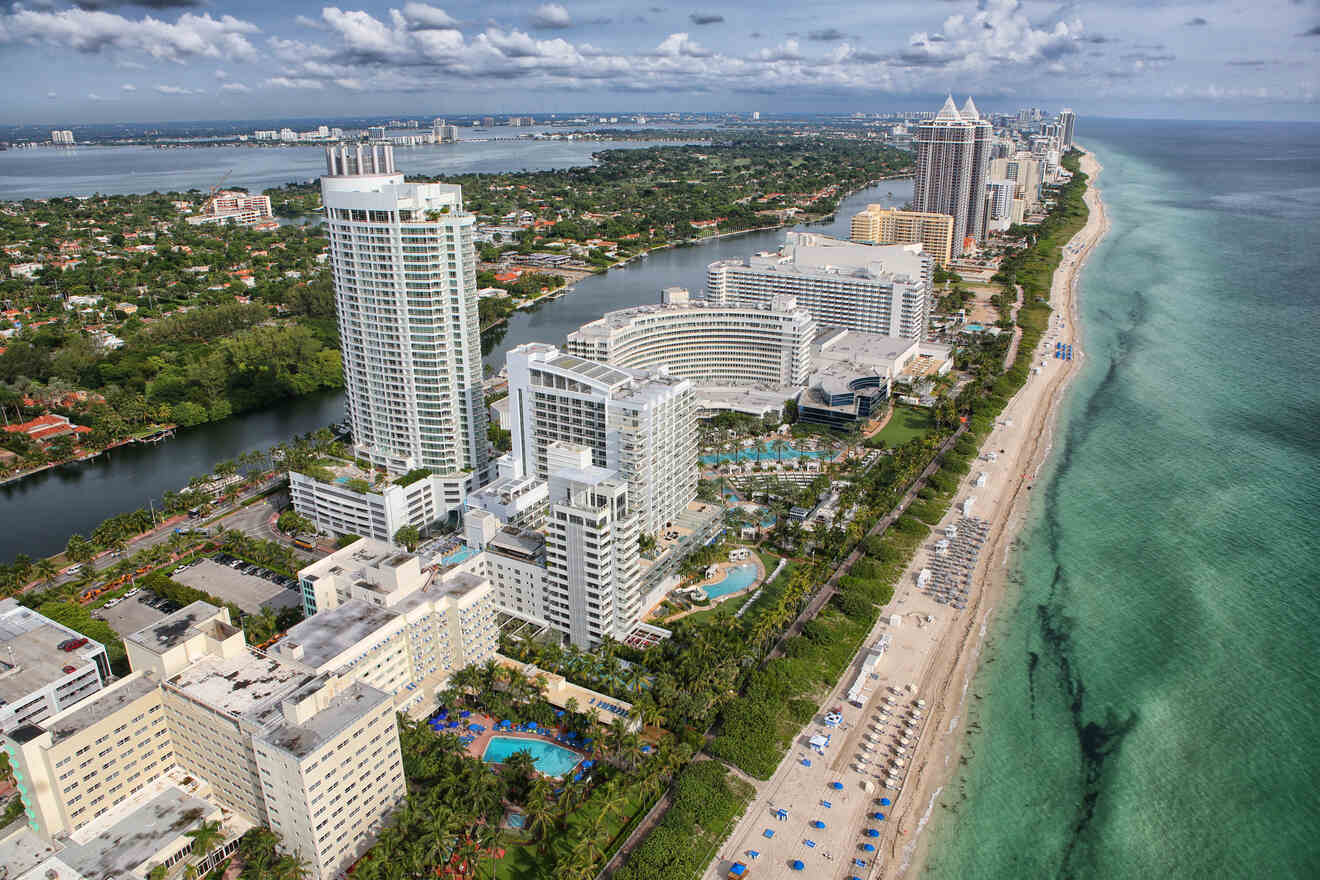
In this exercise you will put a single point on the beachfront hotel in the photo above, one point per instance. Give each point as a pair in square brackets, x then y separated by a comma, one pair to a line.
[767, 345]
[640, 424]
[404, 270]
[872, 288]
[208, 728]
[953, 155]
[876, 224]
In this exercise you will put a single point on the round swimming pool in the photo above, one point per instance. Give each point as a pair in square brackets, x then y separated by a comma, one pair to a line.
[550, 759]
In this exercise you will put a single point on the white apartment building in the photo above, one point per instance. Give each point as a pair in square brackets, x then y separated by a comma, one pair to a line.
[45, 667]
[592, 582]
[762, 345]
[406, 297]
[404, 273]
[640, 424]
[314, 756]
[375, 614]
[62, 137]
[1067, 124]
[234, 207]
[999, 203]
[953, 152]
[884, 289]
[1026, 171]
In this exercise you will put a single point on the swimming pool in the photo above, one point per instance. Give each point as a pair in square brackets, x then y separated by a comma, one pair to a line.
[458, 556]
[766, 452]
[550, 759]
[739, 577]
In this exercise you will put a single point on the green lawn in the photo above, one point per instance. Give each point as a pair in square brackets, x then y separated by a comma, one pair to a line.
[521, 860]
[906, 423]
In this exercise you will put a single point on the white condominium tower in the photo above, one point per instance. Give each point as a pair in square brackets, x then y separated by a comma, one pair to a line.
[592, 580]
[640, 424]
[953, 152]
[1067, 122]
[406, 296]
[884, 289]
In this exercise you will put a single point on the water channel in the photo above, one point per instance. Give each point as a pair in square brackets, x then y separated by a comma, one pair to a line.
[38, 514]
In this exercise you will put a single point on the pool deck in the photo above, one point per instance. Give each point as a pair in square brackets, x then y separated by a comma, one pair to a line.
[477, 748]
[753, 559]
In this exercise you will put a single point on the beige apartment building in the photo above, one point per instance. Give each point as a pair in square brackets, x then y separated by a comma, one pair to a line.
[313, 755]
[877, 224]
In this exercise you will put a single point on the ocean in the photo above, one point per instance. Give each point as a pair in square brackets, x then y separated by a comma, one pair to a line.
[1146, 704]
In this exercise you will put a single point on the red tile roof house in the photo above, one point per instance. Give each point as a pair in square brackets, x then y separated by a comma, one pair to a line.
[45, 428]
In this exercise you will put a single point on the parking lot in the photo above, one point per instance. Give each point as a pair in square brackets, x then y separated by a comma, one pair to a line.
[250, 592]
[130, 615]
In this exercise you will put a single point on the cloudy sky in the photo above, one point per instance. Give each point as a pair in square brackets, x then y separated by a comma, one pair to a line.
[142, 60]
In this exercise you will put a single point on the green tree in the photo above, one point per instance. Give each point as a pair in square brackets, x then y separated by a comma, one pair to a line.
[409, 537]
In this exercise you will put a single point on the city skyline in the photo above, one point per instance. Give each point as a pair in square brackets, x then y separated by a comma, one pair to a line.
[174, 59]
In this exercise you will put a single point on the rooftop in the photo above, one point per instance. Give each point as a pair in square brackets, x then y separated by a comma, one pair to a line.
[354, 560]
[30, 655]
[99, 705]
[517, 542]
[326, 635]
[173, 630]
[812, 254]
[344, 710]
[248, 686]
[138, 836]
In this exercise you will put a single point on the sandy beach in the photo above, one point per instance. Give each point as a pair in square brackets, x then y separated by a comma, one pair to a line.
[933, 651]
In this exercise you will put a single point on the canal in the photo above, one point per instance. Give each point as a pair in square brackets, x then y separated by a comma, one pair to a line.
[39, 513]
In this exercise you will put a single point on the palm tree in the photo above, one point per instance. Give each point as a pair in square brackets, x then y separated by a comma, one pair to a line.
[204, 838]
[46, 570]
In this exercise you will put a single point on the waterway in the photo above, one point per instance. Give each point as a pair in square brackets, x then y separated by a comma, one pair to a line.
[82, 171]
[41, 511]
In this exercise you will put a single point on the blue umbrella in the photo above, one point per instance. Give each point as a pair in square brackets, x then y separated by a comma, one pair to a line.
[465, 713]
[879, 817]
[868, 847]
[884, 802]
[816, 823]
[796, 865]
[871, 832]
[837, 786]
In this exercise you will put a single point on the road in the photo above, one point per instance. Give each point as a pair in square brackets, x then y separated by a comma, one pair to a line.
[254, 520]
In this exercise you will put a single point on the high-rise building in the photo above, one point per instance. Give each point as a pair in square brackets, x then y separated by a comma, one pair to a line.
[62, 137]
[640, 424]
[1025, 170]
[999, 203]
[757, 346]
[406, 296]
[592, 582]
[1067, 122]
[953, 152]
[112, 782]
[877, 224]
[884, 289]
[405, 286]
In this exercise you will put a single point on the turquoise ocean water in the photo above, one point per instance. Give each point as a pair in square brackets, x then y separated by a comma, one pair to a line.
[1147, 703]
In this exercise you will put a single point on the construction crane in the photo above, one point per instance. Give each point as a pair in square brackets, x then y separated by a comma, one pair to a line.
[206, 205]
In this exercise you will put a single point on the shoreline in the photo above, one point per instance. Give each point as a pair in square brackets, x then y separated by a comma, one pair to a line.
[933, 652]
[935, 764]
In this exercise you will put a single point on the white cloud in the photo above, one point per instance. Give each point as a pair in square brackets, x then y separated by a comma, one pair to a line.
[235, 87]
[676, 45]
[93, 96]
[285, 82]
[95, 31]
[350, 83]
[552, 16]
[221, 73]
[178, 90]
[52, 95]
[128, 87]
[424, 16]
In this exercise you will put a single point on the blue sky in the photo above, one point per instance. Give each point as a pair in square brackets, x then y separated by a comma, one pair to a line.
[117, 60]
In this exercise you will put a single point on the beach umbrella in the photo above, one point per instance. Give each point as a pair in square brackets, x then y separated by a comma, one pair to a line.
[868, 847]
[465, 713]
[884, 802]
[837, 786]
[796, 865]
[871, 832]
[816, 823]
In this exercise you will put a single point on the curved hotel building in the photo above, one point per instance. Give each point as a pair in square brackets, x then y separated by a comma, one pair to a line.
[746, 346]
